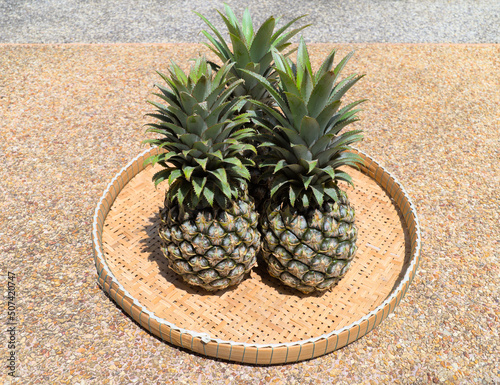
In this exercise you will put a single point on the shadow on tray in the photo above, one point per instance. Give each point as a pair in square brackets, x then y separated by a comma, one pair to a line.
[152, 246]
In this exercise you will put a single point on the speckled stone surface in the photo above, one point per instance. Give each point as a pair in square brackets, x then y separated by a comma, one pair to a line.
[160, 21]
[72, 116]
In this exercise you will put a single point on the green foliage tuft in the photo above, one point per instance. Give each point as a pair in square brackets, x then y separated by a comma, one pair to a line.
[303, 131]
[201, 138]
[250, 49]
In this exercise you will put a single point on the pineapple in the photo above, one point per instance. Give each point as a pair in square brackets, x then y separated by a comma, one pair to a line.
[309, 236]
[209, 224]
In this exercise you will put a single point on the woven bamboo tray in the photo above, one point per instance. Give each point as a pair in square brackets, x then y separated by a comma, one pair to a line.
[260, 321]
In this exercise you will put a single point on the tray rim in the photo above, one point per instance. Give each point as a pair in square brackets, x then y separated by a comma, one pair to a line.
[205, 344]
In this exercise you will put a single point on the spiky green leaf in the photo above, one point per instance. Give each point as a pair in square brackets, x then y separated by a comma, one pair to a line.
[306, 180]
[277, 183]
[161, 176]
[188, 171]
[247, 26]
[262, 40]
[318, 193]
[309, 130]
[332, 193]
[292, 195]
[202, 162]
[303, 62]
[277, 97]
[320, 93]
[209, 196]
[174, 175]
[344, 177]
[279, 165]
[183, 192]
[199, 184]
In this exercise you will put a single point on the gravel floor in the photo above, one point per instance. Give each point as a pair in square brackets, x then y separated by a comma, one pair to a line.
[72, 116]
[157, 21]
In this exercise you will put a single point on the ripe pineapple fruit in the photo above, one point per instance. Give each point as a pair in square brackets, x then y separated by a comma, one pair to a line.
[308, 226]
[209, 223]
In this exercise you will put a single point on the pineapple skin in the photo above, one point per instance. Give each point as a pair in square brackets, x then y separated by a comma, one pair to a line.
[309, 251]
[211, 248]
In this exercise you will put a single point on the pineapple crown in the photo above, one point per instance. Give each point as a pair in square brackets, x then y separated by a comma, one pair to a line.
[303, 133]
[251, 50]
[201, 139]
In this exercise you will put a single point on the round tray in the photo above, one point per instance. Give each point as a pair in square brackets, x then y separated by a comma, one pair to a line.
[260, 321]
